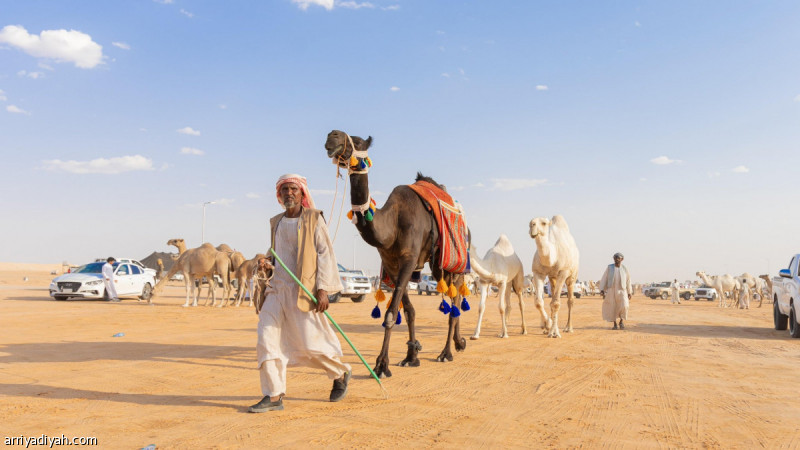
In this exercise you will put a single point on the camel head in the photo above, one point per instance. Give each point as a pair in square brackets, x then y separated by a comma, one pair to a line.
[175, 242]
[340, 146]
[539, 227]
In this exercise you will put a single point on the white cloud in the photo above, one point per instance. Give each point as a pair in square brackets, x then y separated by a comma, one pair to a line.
[478, 185]
[187, 13]
[446, 75]
[121, 45]
[637, 24]
[513, 184]
[542, 87]
[797, 99]
[192, 151]
[59, 45]
[3, 96]
[740, 169]
[189, 131]
[455, 188]
[225, 201]
[252, 195]
[223, 106]
[642, 179]
[34, 75]
[101, 165]
[44, 66]
[144, 130]
[304, 4]
[164, 2]
[391, 8]
[16, 110]
[439, 32]
[355, 5]
[394, 88]
[663, 160]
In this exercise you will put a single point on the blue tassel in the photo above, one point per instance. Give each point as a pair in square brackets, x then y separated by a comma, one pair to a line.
[399, 317]
[376, 312]
[444, 307]
[455, 312]
[465, 304]
[469, 268]
[363, 165]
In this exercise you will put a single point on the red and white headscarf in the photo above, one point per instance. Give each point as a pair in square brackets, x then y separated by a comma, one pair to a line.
[301, 182]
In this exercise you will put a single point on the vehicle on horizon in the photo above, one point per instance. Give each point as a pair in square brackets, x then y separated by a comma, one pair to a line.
[132, 261]
[355, 285]
[705, 292]
[426, 285]
[87, 282]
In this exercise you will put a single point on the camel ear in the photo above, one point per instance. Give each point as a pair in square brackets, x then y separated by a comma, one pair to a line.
[368, 142]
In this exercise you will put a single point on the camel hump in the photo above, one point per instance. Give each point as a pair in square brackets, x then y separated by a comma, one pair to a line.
[559, 221]
[503, 245]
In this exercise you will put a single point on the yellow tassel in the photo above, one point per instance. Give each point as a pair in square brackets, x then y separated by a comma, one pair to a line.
[400, 307]
[353, 161]
[350, 214]
[380, 296]
[464, 290]
[441, 286]
[452, 292]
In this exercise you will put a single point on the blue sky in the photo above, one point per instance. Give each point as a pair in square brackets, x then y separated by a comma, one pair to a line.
[664, 130]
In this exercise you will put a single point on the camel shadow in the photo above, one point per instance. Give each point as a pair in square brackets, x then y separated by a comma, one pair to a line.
[64, 393]
[710, 331]
[77, 352]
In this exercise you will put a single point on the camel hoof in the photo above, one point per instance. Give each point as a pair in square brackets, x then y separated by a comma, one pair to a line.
[460, 346]
[503, 335]
[407, 363]
[186, 305]
[474, 338]
[554, 336]
[568, 330]
[524, 331]
[444, 358]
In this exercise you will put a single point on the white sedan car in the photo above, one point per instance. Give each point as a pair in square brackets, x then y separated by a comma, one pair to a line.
[87, 282]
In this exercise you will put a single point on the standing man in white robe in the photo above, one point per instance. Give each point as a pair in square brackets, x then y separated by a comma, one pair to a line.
[675, 292]
[615, 285]
[292, 330]
[744, 296]
[108, 279]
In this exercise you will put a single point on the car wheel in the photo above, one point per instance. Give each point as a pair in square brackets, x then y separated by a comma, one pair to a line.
[60, 297]
[419, 291]
[664, 296]
[334, 298]
[577, 295]
[794, 327]
[358, 299]
[147, 292]
[686, 296]
[780, 320]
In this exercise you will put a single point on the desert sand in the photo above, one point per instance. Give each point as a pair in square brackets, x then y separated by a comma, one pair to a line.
[679, 376]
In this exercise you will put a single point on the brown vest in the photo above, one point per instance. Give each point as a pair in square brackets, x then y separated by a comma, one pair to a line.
[306, 254]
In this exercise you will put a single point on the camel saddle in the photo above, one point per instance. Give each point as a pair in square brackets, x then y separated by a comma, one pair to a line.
[453, 246]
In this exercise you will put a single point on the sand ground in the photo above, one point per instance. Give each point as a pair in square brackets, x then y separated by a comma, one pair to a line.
[679, 376]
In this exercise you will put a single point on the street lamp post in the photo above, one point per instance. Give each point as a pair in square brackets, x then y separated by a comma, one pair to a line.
[203, 233]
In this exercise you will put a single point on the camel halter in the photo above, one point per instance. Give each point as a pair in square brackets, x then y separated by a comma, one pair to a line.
[359, 163]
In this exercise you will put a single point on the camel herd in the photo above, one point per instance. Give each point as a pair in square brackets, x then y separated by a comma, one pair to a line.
[736, 291]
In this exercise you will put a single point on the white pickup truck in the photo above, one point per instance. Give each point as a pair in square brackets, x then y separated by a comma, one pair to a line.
[785, 295]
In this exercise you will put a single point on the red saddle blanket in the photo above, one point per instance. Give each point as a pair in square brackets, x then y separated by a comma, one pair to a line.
[453, 247]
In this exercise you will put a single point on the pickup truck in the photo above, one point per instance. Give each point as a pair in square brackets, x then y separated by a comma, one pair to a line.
[356, 285]
[785, 290]
[664, 291]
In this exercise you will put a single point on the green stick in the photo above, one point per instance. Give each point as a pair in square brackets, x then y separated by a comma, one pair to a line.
[336, 325]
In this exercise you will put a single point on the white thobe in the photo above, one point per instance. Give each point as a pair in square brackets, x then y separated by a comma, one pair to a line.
[744, 297]
[675, 297]
[108, 279]
[288, 336]
[615, 304]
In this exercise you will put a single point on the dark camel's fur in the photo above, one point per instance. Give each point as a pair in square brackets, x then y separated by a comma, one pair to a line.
[404, 232]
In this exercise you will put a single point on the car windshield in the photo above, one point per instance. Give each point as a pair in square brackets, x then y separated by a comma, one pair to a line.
[96, 267]
[342, 268]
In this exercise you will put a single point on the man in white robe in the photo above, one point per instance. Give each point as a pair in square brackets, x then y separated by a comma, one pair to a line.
[292, 331]
[744, 296]
[673, 287]
[108, 279]
[615, 285]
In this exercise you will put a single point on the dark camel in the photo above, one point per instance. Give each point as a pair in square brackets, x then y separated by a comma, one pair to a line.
[404, 232]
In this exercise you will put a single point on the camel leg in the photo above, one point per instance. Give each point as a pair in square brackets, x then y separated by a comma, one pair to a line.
[401, 284]
[481, 310]
[447, 354]
[539, 303]
[459, 342]
[555, 304]
[570, 302]
[414, 347]
[503, 305]
[189, 283]
[381, 368]
[519, 290]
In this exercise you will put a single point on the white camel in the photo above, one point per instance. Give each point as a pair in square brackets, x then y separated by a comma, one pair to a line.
[721, 284]
[556, 258]
[500, 267]
[764, 286]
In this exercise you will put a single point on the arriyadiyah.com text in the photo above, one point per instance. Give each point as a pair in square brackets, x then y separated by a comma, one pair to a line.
[48, 441]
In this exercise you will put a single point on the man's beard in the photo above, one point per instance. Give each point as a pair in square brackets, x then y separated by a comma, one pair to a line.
[289, 203]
